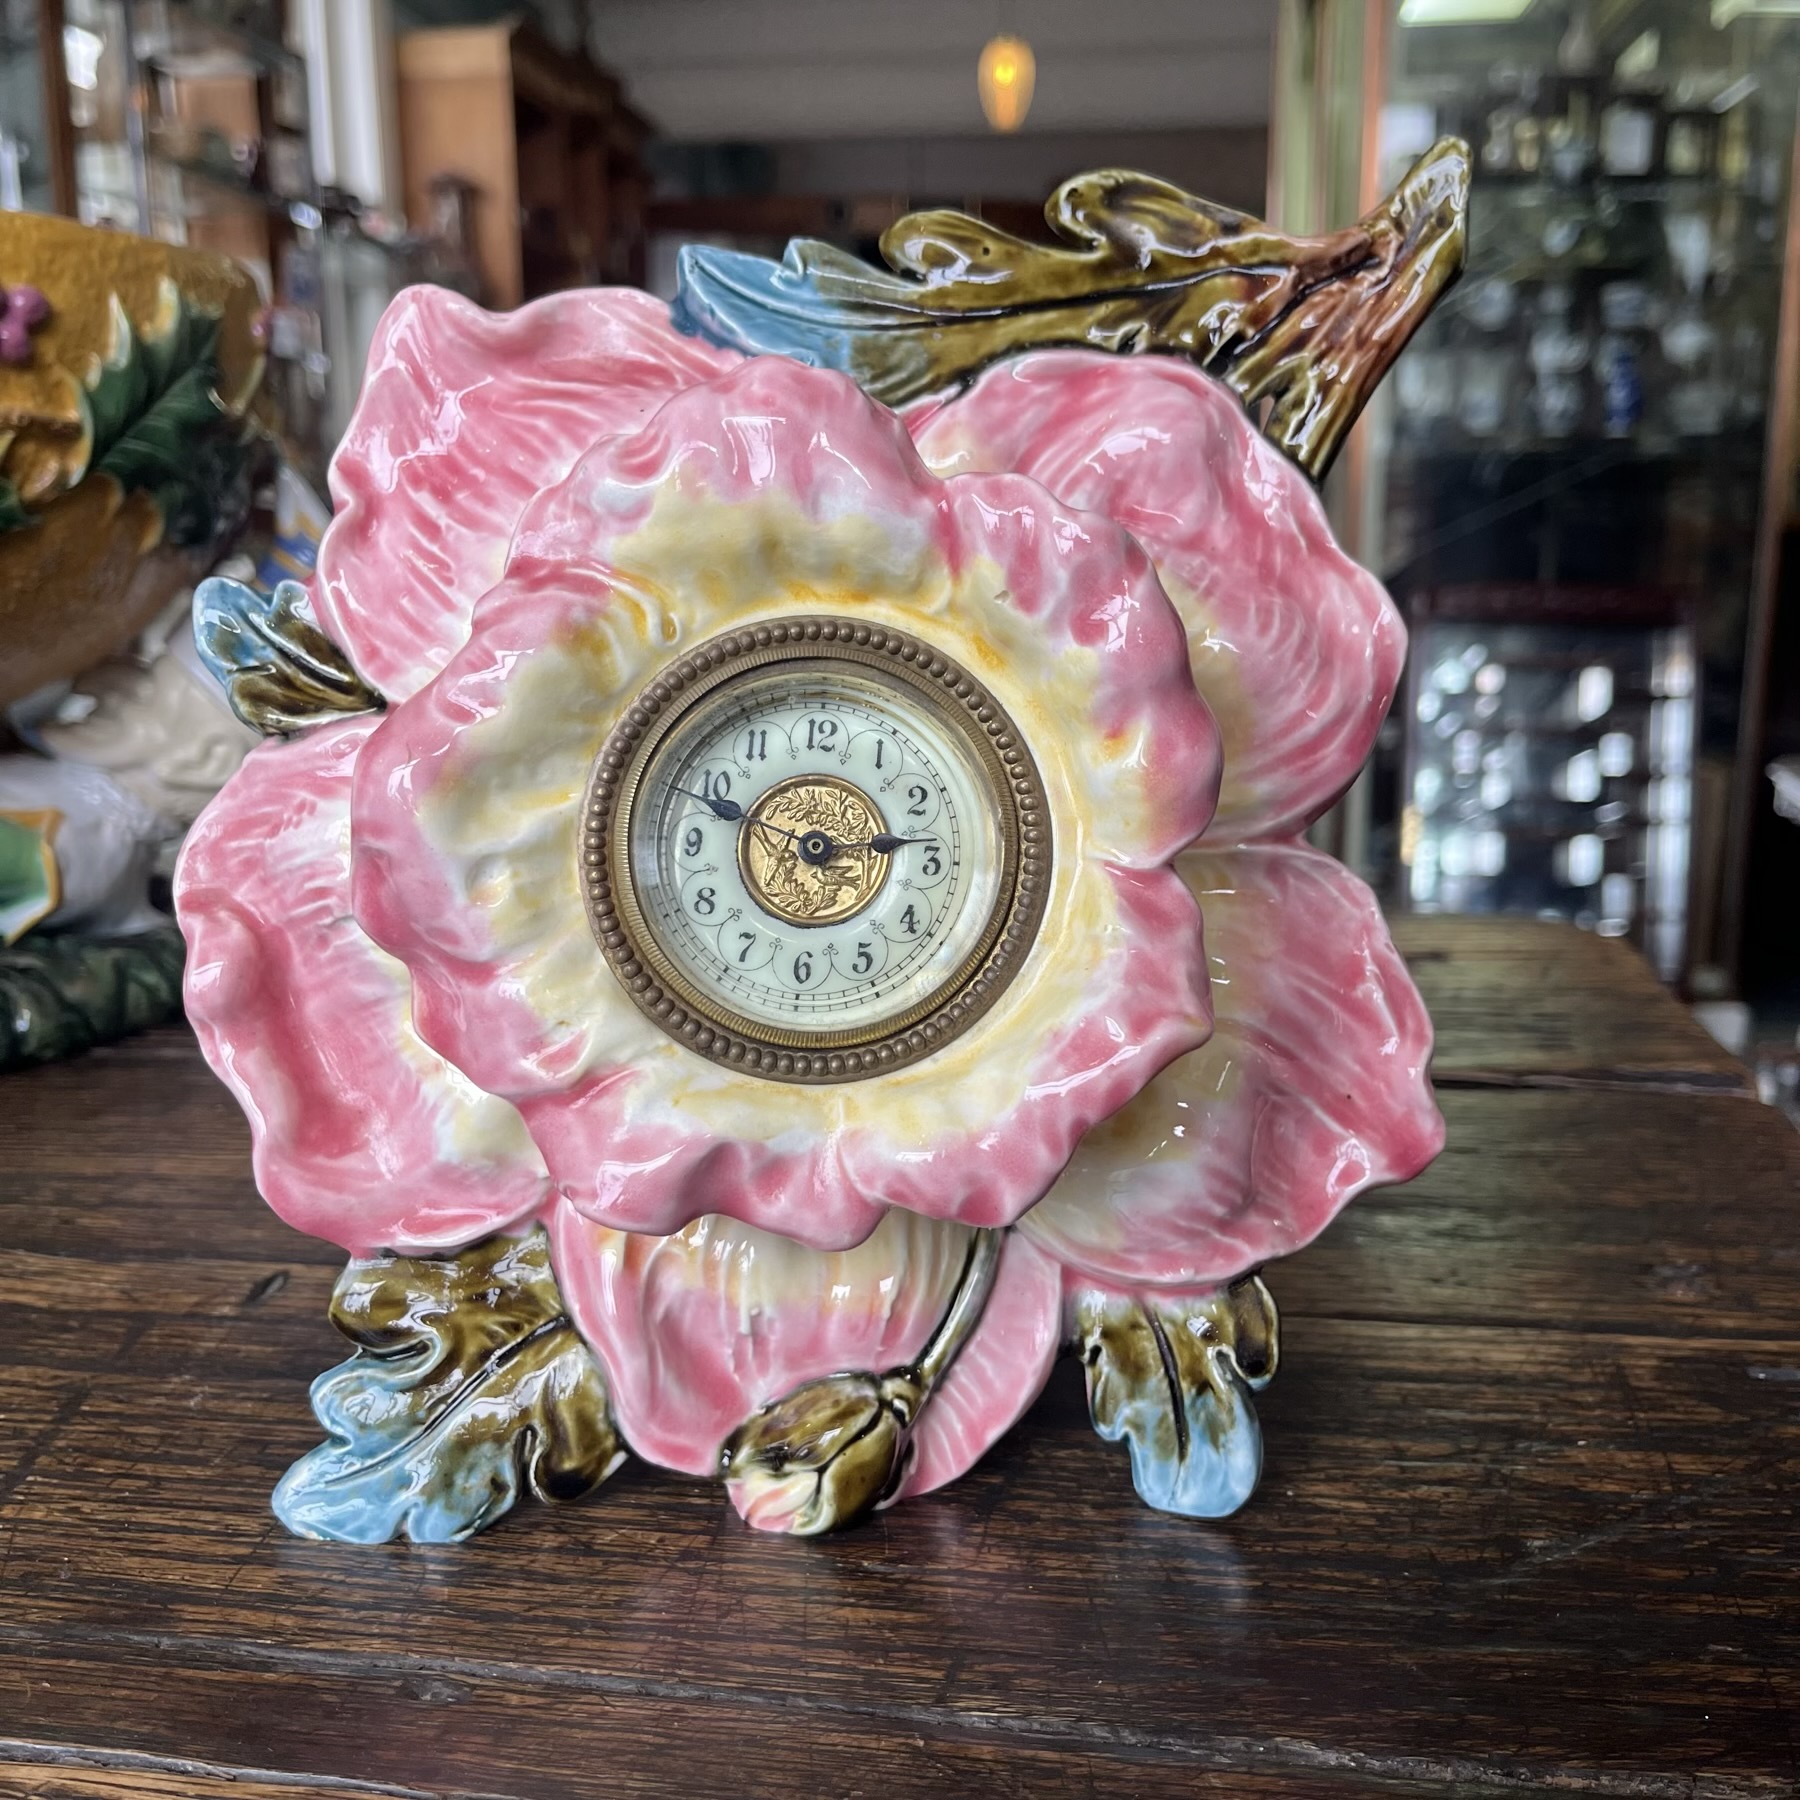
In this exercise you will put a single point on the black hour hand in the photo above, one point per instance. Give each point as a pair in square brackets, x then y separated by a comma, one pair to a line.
[721, 809]
[886, 843]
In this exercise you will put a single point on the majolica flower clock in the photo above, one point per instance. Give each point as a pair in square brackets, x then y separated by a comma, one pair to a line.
[777, 901]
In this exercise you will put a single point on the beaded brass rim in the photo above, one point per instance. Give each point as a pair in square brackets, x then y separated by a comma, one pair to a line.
[664, 992]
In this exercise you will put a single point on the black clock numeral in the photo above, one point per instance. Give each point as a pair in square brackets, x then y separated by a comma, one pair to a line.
[909, 921]
[917, 795]
[706, 902]
[715, 787]
[933, 863]
[880, 745]
[690, 844]
[864, 960]
[748, 940]
[803, 968]
[821, 734]
[756, 746]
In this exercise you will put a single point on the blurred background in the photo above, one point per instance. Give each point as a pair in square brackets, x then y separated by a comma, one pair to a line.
[1580, 484]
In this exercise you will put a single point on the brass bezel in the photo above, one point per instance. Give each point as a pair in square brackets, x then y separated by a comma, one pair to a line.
[664, 993]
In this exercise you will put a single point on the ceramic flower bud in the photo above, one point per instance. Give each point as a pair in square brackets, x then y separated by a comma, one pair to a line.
[811, 891]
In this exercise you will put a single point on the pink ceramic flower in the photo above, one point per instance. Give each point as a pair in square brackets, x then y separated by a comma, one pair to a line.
[746, 499]
[393, 965]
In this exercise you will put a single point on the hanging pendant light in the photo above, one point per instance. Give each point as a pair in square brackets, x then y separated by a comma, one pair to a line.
[1006, 75]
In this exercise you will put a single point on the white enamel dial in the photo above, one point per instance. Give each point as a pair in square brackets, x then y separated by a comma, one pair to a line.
[815, 848]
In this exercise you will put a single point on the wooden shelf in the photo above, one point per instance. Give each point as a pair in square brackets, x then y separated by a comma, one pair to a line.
[546, 141]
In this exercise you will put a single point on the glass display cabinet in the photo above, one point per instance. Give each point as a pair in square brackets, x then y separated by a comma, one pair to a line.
[191, 124]
[1581, 466]
[1549, 746]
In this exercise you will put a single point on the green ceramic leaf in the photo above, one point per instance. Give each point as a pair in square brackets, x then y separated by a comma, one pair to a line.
[470, 1385]
[62, 993]
[154, 422]
[1172, 1377]
[12, 509]
[1308, 324]
[117, 390]
[27, 877]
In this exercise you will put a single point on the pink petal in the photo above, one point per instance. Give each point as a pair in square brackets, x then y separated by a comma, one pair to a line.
[465, 415]
[700, 1330]
[1295, 648]
[1312, 1088]
[771, 482]
[625, 1156]
[360, 1134]
[780, 449]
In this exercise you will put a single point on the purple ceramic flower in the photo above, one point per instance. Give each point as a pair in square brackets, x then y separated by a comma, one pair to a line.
[22, 310]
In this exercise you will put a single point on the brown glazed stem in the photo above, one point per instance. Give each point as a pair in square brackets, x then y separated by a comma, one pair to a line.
[1311, 324]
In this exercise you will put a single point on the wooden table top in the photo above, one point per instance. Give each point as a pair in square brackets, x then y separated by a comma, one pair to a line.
[1527, 1524]
[1528, 1003]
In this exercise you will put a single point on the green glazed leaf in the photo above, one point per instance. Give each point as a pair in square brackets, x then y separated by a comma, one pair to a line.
[1307, 324]
[27, 875]
[153, 420]
[1172, 1377]
[280, 672]
[62, 993]
[470, 1386]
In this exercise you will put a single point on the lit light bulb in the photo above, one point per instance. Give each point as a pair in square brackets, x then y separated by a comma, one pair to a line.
[1007, 73]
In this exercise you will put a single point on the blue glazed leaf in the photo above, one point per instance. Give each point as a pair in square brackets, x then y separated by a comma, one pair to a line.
[470, 1387]
[1142, 265]
[811, 306]
[280, 672]
[1173, 1379]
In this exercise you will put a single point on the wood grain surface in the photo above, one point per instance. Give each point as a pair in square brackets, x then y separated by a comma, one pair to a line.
[1530, 1003]
[1527, 1521]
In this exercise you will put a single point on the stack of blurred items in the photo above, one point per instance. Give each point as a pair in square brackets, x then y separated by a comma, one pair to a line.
[131, 455]
[190, 122]
[1550, 757]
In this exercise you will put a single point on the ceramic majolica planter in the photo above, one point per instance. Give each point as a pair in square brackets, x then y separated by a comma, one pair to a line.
[128, 369]
[772, 915]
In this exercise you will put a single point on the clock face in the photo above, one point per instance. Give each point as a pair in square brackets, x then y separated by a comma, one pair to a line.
[816, 857]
